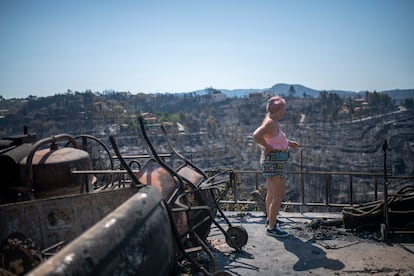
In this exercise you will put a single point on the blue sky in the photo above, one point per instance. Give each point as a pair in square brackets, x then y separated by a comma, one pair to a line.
[50, 46]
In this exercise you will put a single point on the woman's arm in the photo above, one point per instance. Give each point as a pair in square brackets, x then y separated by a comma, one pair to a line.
[294, 145]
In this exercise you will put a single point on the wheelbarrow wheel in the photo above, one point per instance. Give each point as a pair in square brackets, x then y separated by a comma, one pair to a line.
[236, 237]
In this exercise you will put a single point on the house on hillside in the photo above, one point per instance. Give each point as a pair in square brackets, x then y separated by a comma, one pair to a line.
[101, 106]
[360, 104]
[150, 118]
[217, 96]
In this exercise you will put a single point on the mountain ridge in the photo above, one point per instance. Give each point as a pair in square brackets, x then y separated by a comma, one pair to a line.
[303, 91]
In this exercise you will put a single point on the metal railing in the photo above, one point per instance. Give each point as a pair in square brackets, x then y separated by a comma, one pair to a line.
[377, 179]
[235, 182]
[376, 182]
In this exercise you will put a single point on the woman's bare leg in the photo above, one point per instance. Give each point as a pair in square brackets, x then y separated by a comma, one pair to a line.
[275, 194]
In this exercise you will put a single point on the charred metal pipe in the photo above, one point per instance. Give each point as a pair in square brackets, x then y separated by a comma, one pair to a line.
[134, 239]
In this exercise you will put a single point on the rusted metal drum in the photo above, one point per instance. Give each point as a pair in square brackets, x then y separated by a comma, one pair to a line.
[155, 175]
[48, 171]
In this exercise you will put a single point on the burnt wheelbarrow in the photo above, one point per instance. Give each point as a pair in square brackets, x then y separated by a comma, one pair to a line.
[186, 240]
[201, 192]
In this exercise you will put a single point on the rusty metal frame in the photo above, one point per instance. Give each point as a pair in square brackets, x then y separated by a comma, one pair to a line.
[385, 227]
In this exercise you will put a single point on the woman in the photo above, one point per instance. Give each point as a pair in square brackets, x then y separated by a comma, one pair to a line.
[275, 154]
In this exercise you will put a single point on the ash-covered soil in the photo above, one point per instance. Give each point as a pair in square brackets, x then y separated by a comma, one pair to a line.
[312, 248]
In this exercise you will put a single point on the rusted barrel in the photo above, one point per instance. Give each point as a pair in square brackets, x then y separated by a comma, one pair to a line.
[48, 171]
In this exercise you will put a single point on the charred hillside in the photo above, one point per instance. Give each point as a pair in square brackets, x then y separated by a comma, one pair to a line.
[336, 133]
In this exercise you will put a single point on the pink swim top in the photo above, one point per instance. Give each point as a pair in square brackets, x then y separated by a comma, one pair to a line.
[278, 142]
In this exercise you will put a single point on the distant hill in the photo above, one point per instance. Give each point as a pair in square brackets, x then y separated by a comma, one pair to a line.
[301, 91]
[400, 95]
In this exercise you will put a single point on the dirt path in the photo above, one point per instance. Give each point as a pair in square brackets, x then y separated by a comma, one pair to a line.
[302, 118]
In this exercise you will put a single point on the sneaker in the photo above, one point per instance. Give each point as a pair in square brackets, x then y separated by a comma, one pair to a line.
[276, 232]
[277, 222]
